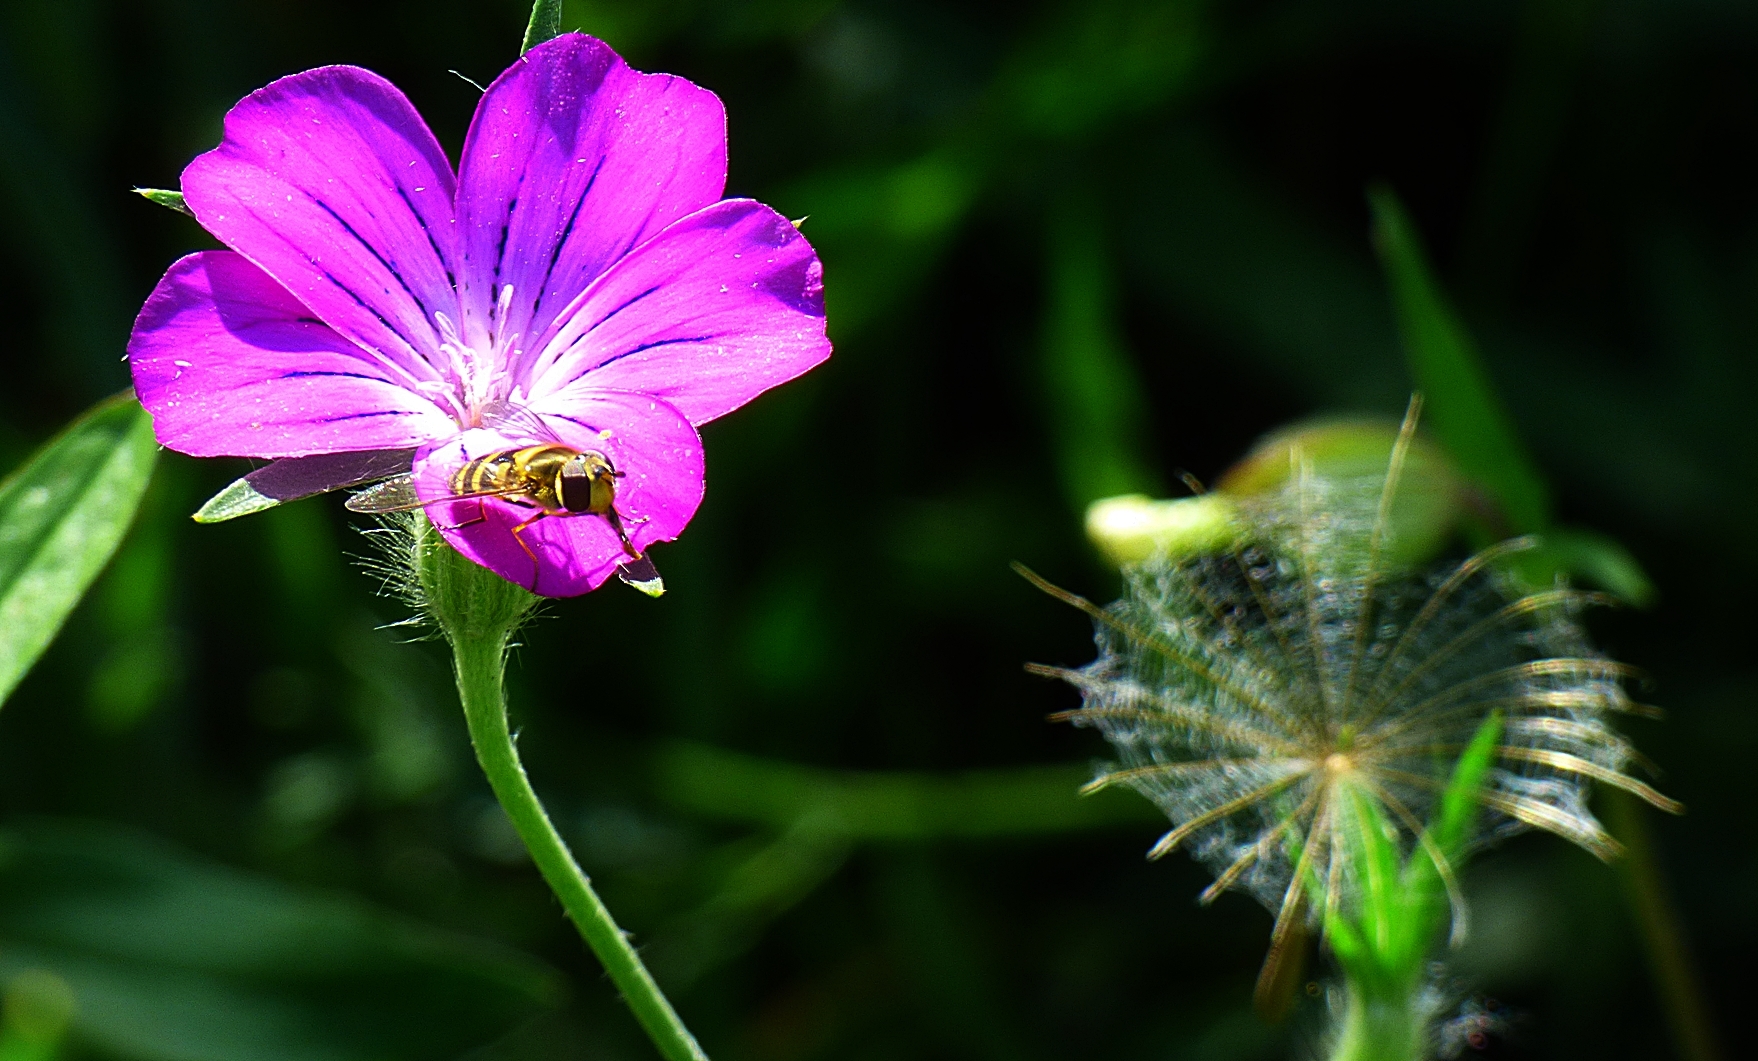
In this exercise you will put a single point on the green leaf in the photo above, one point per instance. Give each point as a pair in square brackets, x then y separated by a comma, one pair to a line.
[1448, 829]
[1584, 556]
[168, 956]
[238, 499]
[545, 24]
[164, 197]
[1458, 807]
[1463, 409]
[1346, 943]
[1371, 844]
[61, 517]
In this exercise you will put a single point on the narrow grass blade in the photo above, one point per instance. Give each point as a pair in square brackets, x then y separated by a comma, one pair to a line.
[1463, 408]
[1092, 390]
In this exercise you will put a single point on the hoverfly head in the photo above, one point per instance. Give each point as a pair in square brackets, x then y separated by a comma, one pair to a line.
[588, 484]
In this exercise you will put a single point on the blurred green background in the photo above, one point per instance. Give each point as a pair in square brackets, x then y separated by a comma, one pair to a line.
[1071, 249]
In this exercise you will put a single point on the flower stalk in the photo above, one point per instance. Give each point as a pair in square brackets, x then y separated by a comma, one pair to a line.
[1389, 1025]
[478, 612]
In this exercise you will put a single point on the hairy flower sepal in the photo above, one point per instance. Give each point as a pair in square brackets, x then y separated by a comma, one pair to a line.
[478, 612]
[466, 601]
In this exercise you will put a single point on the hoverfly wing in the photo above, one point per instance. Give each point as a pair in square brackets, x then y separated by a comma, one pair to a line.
[642, 575]
[517, 422]
[392, 495]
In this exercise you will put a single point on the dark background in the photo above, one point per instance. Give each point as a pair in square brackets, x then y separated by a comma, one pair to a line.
[1071, 248]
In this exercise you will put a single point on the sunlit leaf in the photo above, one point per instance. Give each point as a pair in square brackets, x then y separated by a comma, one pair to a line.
[239, 498]
[1458, 806]
[170, 957]
[61, 517]
[1448, 831]
[1371, 844]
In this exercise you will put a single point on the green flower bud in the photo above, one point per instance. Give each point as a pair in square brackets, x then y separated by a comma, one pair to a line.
[469, 603]
[1131, 528]
[1430, 501]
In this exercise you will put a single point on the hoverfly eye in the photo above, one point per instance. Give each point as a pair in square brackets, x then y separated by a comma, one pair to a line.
[576, 489]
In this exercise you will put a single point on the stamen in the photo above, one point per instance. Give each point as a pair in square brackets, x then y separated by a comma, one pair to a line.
[446, 391]
[448, 330]
[476, 373]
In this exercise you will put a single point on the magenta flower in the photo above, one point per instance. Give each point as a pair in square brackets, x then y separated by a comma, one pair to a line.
[578, 281]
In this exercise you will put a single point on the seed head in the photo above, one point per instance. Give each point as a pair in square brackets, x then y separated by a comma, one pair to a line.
[1253, 690]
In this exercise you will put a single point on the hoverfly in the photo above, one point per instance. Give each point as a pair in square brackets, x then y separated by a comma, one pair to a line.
[552, 477]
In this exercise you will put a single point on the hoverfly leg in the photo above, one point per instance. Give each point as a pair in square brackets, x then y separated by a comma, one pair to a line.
[616, 524]
[481, 517]
[536, 568]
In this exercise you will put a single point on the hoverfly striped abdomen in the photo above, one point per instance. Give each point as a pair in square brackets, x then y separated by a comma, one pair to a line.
[531, 473]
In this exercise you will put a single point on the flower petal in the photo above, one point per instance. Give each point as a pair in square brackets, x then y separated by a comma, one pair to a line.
[572, 160]
[649, 442]
[719, 307]
[230, 364]
[330, 182]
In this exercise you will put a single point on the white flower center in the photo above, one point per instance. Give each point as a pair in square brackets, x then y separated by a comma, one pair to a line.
[477, 374]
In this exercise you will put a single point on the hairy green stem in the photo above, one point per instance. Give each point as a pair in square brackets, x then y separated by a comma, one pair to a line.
[1385, 1025]
[481, 663]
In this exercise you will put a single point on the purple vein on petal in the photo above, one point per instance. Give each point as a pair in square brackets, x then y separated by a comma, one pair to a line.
[231, 364]
[717, 308]
[571, 159]
[562, 241]
[330, 182]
